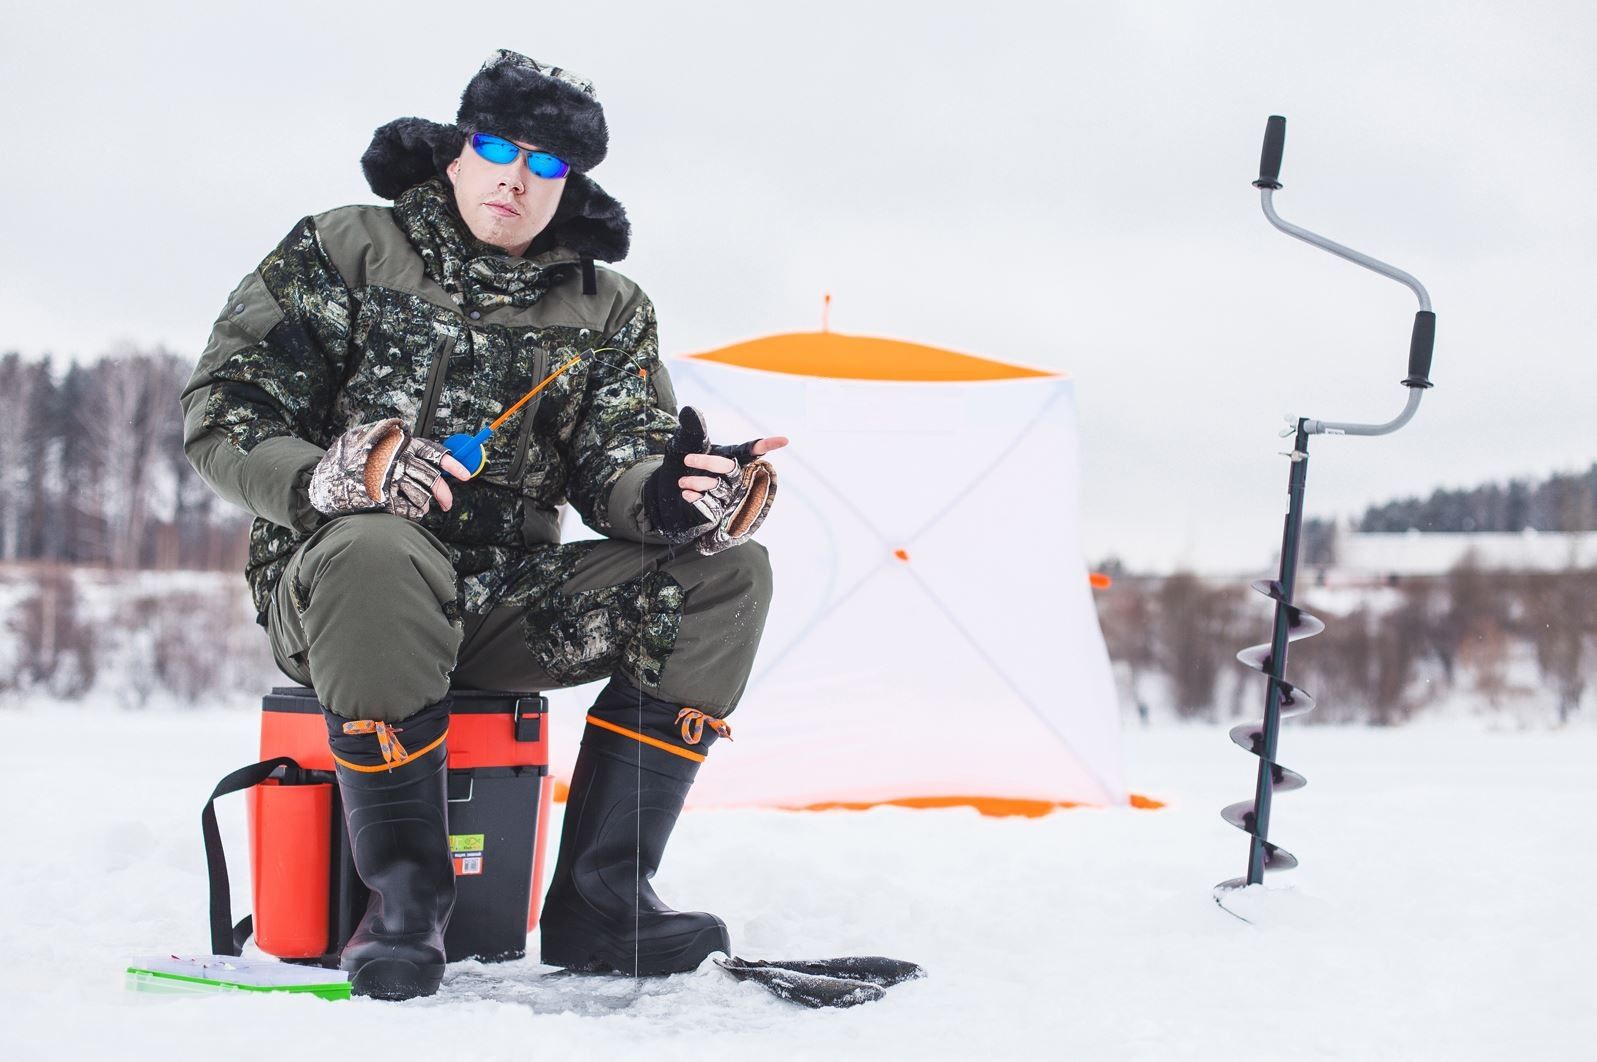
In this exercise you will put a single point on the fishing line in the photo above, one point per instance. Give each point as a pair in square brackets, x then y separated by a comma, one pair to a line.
[468, 450]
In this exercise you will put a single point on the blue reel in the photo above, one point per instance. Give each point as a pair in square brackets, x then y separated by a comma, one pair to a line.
[468, 449]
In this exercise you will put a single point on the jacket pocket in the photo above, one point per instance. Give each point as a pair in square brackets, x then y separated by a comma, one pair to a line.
[435, 387]
[529, 413]
[251, 308]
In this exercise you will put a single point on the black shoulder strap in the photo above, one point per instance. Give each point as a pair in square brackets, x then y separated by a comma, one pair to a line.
[226, 938]
[590, 278]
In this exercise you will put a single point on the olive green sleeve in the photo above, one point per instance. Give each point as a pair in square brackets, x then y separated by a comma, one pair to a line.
[257, 407]
[625, 510]
[629, 415]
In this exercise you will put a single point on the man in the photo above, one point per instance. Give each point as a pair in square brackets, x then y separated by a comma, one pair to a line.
[368, 334]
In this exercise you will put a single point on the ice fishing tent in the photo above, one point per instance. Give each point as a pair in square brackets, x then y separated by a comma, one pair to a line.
[932, 638]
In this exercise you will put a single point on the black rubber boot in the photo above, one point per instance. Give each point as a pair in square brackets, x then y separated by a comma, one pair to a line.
[396, 813]
[628, 787]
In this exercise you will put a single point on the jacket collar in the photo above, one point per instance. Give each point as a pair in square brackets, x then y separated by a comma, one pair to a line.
[476, 275]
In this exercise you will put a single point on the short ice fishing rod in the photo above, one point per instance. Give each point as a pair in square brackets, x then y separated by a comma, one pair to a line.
[468, 449]
[1282, 699]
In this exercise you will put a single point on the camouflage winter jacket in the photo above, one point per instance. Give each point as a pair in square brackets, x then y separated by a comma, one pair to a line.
[367, 312]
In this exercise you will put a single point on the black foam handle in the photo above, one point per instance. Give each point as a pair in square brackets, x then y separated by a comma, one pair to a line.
[1270, 158]
[1420, 346]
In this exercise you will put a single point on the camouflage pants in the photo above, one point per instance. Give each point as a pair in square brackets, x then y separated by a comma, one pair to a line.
[366, 614]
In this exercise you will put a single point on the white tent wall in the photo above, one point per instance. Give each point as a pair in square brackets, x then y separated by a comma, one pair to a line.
[931, 631]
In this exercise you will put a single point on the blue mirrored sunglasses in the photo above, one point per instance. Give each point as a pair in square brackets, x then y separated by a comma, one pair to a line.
[498, 150]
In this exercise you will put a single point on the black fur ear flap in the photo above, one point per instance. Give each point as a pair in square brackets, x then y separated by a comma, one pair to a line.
[590, 222]
[406, 152]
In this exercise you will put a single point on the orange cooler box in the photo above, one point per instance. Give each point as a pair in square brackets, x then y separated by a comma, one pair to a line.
[307, 896]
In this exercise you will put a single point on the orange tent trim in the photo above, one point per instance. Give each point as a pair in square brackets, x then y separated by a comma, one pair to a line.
[997, 807]
[845, 357]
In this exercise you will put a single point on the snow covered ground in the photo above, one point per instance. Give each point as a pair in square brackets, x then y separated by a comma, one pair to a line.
[1443, 911]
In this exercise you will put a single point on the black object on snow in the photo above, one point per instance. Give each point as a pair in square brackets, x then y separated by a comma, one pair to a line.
[842, 982]
[817, 983]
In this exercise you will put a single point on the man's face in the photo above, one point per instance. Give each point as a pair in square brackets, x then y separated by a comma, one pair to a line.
[504, 205]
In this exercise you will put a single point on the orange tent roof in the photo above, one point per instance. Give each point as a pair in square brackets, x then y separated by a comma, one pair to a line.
[845, 357]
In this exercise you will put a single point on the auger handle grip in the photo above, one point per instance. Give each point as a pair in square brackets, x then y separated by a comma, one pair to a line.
[1270, 158]
[1420, 346]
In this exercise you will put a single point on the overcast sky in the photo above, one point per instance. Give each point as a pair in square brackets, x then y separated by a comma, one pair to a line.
[1062, 185]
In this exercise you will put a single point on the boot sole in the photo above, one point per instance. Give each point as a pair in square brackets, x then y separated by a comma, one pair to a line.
[395, 979]
[587, 950]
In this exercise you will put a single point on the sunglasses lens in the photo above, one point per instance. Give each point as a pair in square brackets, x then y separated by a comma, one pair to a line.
[546, 165]
[494, 149]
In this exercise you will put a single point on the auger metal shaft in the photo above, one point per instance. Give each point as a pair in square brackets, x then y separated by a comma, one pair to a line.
[1264, 789]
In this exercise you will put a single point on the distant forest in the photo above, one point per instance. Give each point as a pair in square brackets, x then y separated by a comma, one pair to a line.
[1566, 502]
[93, 471]
[1506, 638]
[1562, 502]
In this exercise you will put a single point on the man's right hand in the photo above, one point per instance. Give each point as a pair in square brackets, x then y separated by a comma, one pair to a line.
[682, 506]
[381, 467]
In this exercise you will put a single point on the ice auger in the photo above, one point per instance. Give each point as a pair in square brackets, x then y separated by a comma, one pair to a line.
[1282, 699]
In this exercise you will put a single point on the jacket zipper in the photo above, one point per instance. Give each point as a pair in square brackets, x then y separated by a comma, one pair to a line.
[530, 411]
[435, 386]
[540, 367]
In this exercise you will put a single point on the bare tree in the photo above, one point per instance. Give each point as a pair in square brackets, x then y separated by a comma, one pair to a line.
[1467, 595]
[1561, 619]
[55, 648]
[19, 390]
[1396, 647]
[1484, 654]
[1126, 614]
[125, 420]
[1197, 635]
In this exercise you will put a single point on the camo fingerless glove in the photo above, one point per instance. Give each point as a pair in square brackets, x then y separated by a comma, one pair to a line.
[757, 489]
[377, 467]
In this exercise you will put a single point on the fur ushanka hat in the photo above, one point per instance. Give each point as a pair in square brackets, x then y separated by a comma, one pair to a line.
[522, 99]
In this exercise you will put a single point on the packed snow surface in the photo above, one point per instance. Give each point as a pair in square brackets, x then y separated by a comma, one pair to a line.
[1443, 910]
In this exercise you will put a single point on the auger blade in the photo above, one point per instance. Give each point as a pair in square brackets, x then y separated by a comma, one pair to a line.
[1249, 736]
[1295, 701]
[1285, 779]
[1239, 815]
[1257, 657]
[1301, 625]
[1278, 858]
[1289, 701]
